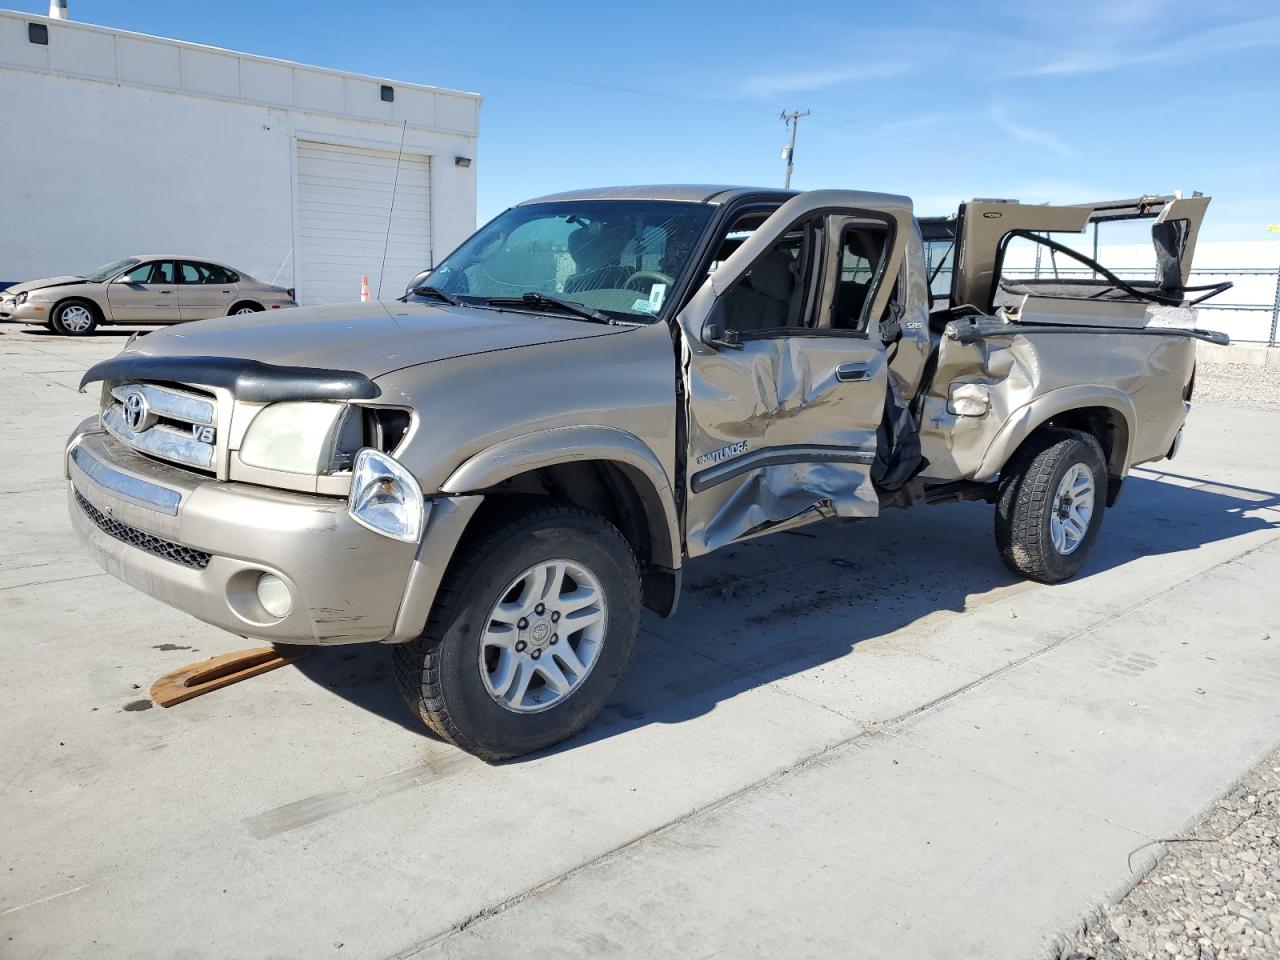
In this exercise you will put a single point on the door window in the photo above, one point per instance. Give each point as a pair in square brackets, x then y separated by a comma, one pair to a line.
[195, 273]
[770, 297]
[140, 274]
[862, 249]
[163, 272]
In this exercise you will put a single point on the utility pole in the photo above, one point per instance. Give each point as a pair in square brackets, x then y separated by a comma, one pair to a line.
[792, 120]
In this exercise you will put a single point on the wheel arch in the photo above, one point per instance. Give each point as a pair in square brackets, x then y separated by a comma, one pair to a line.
[99, 313]
[603, 469]
[1105, 413]
[246, 302]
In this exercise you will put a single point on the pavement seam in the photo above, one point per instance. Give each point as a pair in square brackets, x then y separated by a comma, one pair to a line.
[1054, 644]
[613, 853]
[856, 740]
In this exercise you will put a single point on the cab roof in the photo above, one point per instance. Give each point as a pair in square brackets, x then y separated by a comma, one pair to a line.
[686, 192]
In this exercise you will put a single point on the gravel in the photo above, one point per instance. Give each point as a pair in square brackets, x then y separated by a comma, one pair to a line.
[1238, 385]
[1215, 894]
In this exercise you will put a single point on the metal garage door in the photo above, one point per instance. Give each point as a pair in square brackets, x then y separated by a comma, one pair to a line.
[344, 196]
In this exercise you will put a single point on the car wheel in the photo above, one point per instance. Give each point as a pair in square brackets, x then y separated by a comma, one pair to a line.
[530, 633]
[74, 318]
[240, 308]
[1052, 496]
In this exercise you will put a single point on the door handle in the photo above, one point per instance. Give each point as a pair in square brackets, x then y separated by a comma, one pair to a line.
[853, 372]
[164, 291]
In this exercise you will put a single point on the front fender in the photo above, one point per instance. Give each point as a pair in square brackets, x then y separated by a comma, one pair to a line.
[1030, 417]
[545, 448]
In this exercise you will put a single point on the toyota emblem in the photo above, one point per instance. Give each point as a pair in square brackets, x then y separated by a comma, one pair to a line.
[135, 410]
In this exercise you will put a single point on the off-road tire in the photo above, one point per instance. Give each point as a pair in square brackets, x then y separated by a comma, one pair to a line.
[55, 318]
[438, 673]
[1028, 485]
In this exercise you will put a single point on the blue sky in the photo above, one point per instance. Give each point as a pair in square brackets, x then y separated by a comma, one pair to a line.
[938, 100]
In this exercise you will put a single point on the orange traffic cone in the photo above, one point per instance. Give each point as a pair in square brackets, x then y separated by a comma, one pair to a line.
[364, 289]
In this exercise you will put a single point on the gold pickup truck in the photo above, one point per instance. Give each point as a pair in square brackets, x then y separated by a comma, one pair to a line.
[497, 471]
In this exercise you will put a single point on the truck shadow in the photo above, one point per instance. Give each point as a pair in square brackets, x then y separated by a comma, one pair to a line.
[767, 609]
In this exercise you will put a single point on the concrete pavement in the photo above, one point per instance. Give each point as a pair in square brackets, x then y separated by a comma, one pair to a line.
[864, 740]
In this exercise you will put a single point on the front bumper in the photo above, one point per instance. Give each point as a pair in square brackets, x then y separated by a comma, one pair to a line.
[200, 545]
[24, 313]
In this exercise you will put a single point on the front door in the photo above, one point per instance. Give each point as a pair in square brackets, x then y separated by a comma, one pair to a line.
[146, 294]
[785, 372]
[206, 290]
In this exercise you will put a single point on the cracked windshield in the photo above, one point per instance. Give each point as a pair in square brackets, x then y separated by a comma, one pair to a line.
[619, 257]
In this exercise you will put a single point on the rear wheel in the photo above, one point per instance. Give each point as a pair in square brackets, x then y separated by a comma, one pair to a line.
[245, 307]
[74, 318]
[531, 631]
[1052, 495]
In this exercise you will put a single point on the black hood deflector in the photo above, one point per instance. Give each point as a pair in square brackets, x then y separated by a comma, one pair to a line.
[250, 380]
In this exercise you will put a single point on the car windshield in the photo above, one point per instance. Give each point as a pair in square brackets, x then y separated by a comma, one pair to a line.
[111, 269]
[620, 257]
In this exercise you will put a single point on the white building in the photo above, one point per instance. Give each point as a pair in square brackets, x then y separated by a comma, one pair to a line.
[116, 143]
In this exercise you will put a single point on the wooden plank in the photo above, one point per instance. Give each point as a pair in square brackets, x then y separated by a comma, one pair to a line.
[196, 679]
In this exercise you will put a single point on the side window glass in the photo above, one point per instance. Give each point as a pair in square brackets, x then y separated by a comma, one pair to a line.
[771, 294]
[140, 274]
[862, 247]
[163, 272]
[194, 273]
[216, 274]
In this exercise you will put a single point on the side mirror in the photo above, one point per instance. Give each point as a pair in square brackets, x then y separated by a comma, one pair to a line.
[714, 333]
[712, 337]
[417, 281]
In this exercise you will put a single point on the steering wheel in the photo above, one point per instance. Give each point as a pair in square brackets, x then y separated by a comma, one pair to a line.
[653, 275]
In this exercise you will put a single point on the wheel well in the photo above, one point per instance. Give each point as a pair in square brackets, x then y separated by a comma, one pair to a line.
[606, 488]
[97, 310]
[1106, 425]
[244, 303]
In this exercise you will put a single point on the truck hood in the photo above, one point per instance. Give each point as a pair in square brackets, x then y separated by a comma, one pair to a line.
[369, 338]
[41, 284]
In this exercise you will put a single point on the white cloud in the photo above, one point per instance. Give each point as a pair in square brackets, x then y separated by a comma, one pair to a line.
[999, 116]
[801, 81]
[1095, 57]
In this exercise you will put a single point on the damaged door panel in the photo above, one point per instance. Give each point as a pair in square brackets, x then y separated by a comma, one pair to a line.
[785, 369]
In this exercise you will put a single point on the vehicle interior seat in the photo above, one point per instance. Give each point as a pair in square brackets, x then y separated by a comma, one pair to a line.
[851, 296]
[762, 300]
[596, 251]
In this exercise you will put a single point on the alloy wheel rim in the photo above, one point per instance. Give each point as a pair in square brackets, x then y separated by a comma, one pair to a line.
[1072, 509]
[543, 636]
[76, 318]
[245, 310]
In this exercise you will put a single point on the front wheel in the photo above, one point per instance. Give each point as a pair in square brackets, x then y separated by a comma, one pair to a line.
[1052, 495]
[530, 633]
[74, 318]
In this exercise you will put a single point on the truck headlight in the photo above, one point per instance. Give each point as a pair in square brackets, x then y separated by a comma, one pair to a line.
[385, 497]
[302, 437]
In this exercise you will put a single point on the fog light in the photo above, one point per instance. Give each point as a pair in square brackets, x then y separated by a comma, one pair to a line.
[274, 595]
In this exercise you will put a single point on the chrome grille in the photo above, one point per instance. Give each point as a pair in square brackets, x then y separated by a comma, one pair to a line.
[172, 424]
[196, 559]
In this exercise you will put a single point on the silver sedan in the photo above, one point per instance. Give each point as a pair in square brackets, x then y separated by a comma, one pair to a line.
[157, 288]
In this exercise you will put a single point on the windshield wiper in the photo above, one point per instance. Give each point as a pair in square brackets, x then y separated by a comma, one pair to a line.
[542, 301]
[430, 291]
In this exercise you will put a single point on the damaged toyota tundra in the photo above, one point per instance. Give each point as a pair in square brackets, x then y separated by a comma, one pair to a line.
[495, 473]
